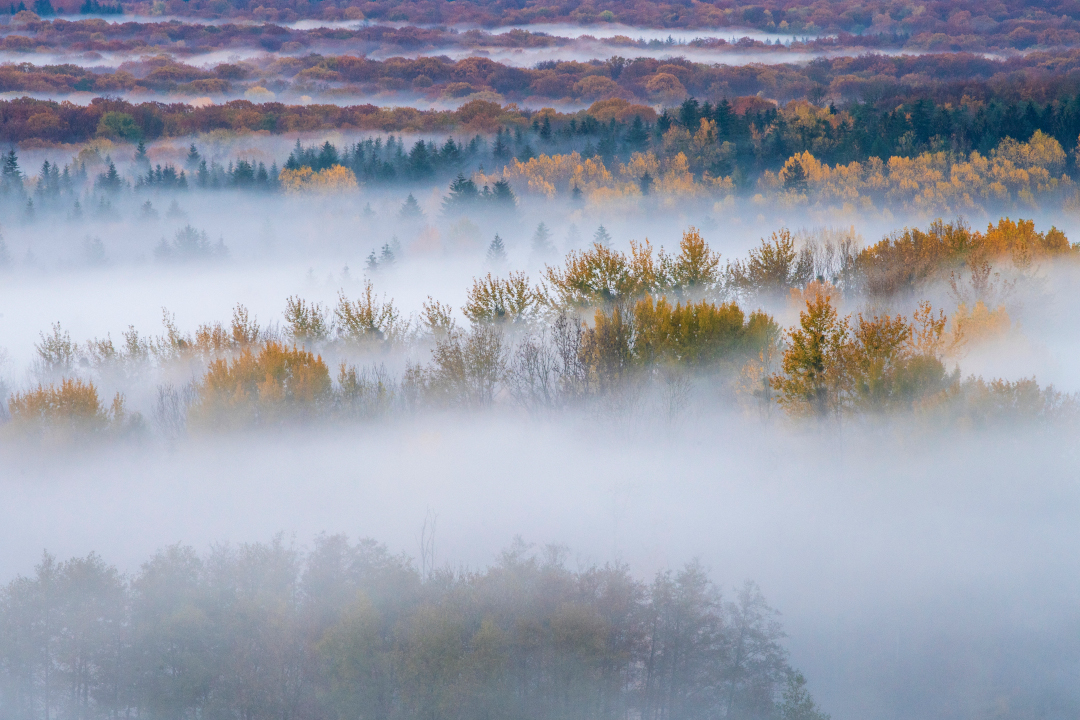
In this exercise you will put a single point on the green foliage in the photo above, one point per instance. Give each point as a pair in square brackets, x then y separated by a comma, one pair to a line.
[118, 126]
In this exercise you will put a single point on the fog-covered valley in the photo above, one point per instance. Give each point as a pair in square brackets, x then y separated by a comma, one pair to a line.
[595, 370]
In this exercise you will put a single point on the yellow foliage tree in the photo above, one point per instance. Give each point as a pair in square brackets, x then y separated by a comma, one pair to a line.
[329, 180]
[272, 386]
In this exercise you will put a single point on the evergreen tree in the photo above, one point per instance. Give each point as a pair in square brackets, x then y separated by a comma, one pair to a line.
[496, 254]
[328, 157]
[420, 161]
[110, 180]
[503, 195]
[646, 183]
[368, 212]
[386, 257]
[602, 237]
[193, 157]
[795, 177]
[637, 138]
[372, 263]
[140, 154]
[410, 210]
[10, 174]
[542, 246]
[500, 150]
[463, 194]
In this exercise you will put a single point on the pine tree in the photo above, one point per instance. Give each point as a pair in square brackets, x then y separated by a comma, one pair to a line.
[193, 157]
[410, 210]
[496, 254]
[386, 257]
[795, 177]
[602, 237]
[463, 194]
[110, 180]
[502, 195]
[372, 263]
[576, 196]
[140, 154]
[646, 183]
[10, 174]
[542, 246]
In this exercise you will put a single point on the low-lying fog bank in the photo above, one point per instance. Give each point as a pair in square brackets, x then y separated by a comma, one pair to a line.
[917, 575]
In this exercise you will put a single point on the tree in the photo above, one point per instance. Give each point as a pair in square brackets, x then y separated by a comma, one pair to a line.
[795, 176]
[496, 253]
[813, 365]
[10, 174]
[542, 247]
[502, 196]
[646, 183]
[110, 180]
[410, 210]
[193, 158]
[602, 237]
[796, 703]
[463, 195]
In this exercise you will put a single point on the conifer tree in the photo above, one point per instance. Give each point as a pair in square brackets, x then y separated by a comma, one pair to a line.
[386, 257]
[503, 195]
[646, 183]
[542, 246]
[496, 254]
[602, 237]
[193, 157]
[410, 210]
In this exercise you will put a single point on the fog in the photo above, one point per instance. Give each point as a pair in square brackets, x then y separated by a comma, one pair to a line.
[930, 580]
[921, 569]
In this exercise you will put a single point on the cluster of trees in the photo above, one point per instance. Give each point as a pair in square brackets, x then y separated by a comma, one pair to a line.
[345, 630]
[946, 77]
[603, 327]
[1012, 175]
